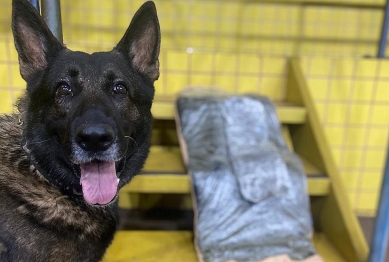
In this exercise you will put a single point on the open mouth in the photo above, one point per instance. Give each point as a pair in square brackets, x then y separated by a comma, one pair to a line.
[99, 181]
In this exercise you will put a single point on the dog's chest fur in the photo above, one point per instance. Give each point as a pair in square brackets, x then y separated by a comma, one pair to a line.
[58, 222]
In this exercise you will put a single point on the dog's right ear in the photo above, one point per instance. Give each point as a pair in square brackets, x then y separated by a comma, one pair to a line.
[33, 39]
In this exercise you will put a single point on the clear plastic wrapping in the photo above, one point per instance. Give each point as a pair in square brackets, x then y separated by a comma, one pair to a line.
[250, 190]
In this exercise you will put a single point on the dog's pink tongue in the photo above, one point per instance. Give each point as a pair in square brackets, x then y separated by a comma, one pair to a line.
[99, 182]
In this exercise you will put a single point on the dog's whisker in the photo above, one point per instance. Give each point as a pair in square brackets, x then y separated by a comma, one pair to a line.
[61, 197]
[39, 142]
[133, 141]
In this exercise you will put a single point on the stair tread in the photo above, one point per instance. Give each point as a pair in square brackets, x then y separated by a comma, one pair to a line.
[167, 159]
[287, 113]
[165, 172]
[170, 246]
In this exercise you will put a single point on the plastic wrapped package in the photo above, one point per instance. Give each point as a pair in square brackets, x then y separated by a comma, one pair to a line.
[250, 191]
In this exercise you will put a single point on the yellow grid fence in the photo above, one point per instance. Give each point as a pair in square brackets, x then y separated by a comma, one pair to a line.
[243, 46]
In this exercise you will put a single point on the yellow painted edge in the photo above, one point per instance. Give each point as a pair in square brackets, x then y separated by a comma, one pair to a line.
[167, 246]
[318, 186]
[180, 184]
[287, 114]
[350, 221]
[291, 114]
[158, 246]
[159, 183]
[163, 110]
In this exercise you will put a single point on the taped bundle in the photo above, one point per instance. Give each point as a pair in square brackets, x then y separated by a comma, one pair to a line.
[250, 191]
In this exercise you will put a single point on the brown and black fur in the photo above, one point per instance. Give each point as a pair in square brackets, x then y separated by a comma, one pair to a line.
[39, 222]
[43, 216]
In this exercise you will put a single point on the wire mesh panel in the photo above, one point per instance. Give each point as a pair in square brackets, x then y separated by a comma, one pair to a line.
[243, 46]
[236, 73]
[352, 98]
[268, 27]
[11, 85]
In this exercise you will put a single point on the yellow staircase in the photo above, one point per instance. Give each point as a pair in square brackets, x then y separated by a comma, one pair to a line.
[338, 236]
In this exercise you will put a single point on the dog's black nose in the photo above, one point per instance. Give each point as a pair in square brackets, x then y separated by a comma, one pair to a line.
[95, 137]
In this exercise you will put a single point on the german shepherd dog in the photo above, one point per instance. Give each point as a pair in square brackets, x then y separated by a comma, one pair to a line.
[82, 132]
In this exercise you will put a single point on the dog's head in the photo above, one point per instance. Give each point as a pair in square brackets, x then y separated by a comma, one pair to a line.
[88, 121]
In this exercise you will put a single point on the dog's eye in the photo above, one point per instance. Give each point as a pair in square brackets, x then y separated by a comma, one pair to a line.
[63, 89]
[120, 89]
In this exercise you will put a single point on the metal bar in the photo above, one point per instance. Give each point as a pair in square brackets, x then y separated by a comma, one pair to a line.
[379, 241]
[384, 32]
[51, 13]
[35, 3]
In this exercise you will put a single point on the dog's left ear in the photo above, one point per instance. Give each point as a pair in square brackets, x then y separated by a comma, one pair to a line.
[141, 42]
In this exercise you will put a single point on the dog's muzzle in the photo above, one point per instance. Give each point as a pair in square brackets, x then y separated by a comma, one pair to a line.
[98, 178]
